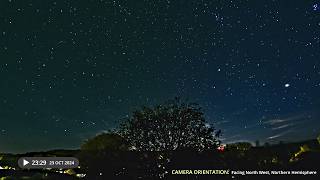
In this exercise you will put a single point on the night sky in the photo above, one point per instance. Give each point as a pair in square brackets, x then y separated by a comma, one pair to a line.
[70, 69]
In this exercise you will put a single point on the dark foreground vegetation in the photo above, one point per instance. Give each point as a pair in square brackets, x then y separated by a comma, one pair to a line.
[115, 164]
[160, 142]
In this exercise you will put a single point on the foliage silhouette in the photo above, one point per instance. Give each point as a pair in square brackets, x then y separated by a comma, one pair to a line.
[97, 153]
[105, 141]
[174, 125]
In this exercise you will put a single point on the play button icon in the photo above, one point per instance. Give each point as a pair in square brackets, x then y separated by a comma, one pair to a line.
[25, 162]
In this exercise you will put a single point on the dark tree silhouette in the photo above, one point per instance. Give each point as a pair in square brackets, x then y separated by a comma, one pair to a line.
[101, 156]
[105, 141]
[174, 125]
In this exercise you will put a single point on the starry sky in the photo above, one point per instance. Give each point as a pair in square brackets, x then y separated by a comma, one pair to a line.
[70, 69]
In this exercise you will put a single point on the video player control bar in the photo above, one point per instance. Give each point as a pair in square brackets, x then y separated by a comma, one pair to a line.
[48, 162]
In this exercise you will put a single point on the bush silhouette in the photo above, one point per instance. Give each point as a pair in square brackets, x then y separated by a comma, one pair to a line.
[101, 156]
[105, 142]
